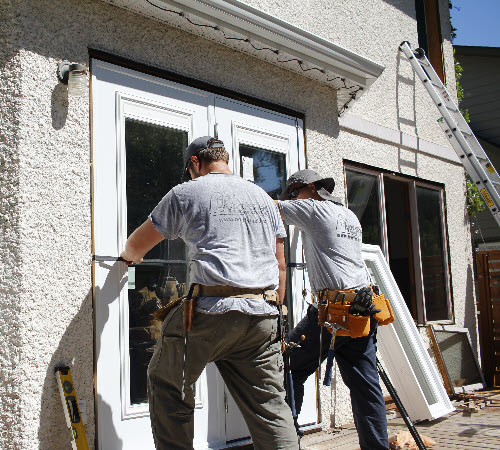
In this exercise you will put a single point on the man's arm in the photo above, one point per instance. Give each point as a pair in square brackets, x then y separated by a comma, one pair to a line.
[140, 242]
[280, 256]
[278, 205]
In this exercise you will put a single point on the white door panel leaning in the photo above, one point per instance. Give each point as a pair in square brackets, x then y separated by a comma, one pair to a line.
[402, 349]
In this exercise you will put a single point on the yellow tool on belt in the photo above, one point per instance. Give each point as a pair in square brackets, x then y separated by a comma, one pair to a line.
[71, 408]
[333, 308]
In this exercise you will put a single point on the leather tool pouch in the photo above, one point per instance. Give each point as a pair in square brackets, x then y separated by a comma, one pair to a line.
[385, 316]
[322, 313]
[337, 311]
[188, 314]
[357, 326]
[161, 313]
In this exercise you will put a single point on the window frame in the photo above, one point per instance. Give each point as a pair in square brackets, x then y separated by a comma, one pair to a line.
[443, 364]
[413, 183]
[430, 37]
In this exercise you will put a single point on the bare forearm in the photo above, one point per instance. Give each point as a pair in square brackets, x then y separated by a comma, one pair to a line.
[281, 214]
[140, 242]
[280, 256]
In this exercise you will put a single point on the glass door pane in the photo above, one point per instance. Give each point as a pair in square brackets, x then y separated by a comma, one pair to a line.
[363, 200]
[398, 218]
[432, 251]
[265, 168]
[154, 162]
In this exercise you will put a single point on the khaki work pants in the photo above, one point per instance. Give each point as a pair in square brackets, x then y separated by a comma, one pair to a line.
[246, 350]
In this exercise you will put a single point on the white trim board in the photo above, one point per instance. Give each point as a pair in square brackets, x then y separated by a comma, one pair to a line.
[249, 30]
[404, 354]
[350, 122]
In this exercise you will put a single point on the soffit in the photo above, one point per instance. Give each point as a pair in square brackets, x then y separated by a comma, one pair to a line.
[246, 29]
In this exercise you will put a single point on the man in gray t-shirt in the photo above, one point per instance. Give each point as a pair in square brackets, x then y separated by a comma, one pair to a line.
[332, 246]
[234, 235]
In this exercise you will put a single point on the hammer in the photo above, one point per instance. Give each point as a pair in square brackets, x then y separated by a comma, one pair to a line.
[329, 361]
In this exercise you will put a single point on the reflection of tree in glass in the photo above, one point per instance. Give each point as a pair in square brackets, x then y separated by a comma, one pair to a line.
[155, 161]
[269, 169]
[363, 201]
[429, 221]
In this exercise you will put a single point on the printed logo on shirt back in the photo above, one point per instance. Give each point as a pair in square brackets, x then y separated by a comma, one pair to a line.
[230, 208]
[345, 230]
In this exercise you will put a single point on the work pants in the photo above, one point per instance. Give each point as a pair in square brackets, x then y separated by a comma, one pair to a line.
[246, 350]
[356, 359]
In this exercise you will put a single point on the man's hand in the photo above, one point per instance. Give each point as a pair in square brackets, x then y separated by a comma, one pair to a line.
[362, 304]
[128, 260]
[140, 242]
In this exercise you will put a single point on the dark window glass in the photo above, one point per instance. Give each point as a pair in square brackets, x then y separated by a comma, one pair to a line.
[432, 253]
[363, 200]
[399, 237]
[421, 29]
[429, 33]
[265, 168]
[154, 159]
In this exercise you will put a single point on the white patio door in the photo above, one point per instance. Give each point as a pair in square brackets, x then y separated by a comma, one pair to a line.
[140, 128]
[266, 148]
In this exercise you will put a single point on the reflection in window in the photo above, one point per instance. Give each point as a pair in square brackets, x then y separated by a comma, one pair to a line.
[431, 248]
[400, 240]
[265, 168]
[388, 221]
[155, 159]
[362, 192]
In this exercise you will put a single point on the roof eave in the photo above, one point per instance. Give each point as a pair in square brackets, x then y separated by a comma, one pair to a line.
[252, 31]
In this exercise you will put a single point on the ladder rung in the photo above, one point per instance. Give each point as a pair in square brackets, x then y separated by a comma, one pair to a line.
[462, 139]
[438, 85]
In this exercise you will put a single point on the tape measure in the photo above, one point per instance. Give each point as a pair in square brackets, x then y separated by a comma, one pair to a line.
[71, 409]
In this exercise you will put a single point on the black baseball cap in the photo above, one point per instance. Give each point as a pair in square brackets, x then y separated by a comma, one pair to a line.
[307, 176]
[196, 147]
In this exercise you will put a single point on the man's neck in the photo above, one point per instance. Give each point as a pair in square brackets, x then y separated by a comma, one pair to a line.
[216, 166]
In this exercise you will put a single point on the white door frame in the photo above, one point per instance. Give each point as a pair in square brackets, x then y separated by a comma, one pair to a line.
[118, 93]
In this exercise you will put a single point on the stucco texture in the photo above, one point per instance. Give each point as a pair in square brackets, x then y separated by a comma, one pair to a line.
[46, 194]
[11, 336]
[374, 29]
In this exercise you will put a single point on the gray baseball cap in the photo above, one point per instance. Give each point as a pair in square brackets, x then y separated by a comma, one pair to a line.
[196, 147]
[307, 176]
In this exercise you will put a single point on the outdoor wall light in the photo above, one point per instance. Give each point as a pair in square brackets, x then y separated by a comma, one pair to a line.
[75, 76]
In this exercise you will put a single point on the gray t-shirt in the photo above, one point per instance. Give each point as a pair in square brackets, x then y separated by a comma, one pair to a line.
[230, 227]
[332, 243]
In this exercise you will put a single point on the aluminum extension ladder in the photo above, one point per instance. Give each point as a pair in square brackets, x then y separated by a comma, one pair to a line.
[456, 128]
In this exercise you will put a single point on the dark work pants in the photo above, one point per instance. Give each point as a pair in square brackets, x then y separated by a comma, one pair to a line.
[246, 350]
[356, 359]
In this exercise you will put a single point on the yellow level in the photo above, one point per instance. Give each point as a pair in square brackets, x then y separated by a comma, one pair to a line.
[71, 409]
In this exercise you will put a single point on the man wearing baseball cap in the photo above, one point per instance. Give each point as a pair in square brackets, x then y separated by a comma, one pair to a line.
[332, 245]
[235, 239]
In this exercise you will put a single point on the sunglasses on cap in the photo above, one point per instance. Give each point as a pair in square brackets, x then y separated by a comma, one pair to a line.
[295, 192]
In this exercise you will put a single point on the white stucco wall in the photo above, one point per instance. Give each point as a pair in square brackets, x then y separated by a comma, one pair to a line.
[10, 258]
[374, 29]
[46, 303]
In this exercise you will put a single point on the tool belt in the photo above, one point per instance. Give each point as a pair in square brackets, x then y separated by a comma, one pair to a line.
[200, 290]
[334, 305]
